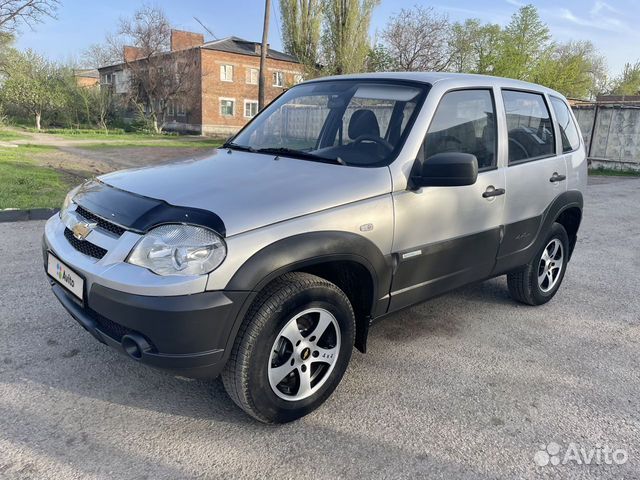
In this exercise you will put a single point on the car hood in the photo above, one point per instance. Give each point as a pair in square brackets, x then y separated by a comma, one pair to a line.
[250, 190]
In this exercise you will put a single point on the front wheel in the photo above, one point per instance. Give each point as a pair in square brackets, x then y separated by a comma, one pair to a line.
[292, 348]
[538, 281]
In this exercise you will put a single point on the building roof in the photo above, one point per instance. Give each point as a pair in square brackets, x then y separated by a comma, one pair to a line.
[246, 47]
[86, 72]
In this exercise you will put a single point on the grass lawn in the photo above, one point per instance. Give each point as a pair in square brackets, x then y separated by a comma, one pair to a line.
[8, 135]
[25, 184]
[612, 172]
[167, 142]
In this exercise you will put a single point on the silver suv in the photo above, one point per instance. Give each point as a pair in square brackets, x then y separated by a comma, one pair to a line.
[346, 199]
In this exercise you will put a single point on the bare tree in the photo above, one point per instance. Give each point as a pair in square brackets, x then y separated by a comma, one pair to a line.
[13, 13]
[158, 81]
[419, 39]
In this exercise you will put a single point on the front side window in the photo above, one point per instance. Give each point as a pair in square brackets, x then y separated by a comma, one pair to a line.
[250, 108]
[529, 126]
[465, 121]
[355, 122]
[226, 107]
[278, 79]
[568, 129]
[226, 73]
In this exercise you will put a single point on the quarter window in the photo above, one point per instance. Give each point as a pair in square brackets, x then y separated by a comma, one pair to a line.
[464, 121]
[226, 107]
[568, 131]
[226, 73]
[529, 126]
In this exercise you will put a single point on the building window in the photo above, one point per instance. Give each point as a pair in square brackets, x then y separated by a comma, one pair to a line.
[181, 110]
[171, 108]
[252, 76]
[278, 79]
[226, 73]
[108, 78]
[250, 108]
[226, 107]
[297, 78]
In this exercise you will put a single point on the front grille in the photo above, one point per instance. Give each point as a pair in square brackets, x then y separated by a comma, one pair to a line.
[102, 223]
[83, 246]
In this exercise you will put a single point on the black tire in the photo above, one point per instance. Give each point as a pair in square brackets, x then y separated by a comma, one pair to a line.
[523, 283]
[245, 376]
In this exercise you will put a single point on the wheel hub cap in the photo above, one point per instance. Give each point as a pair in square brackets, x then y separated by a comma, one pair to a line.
[550, 265]
[304, 354]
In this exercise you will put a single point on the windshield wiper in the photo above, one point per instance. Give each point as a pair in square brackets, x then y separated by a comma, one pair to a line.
[235, 146]
[292, 152]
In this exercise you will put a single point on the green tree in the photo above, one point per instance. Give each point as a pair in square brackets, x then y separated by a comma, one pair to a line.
[301, 28]
[380, 60]
[32, 84]
[474, 46]
[345, 37]
[524, 42]
[575, 69]
[628, 83]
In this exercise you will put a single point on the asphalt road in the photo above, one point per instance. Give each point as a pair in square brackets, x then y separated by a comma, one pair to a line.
[469, 385]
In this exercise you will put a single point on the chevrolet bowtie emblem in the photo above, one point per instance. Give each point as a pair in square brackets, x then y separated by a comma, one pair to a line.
[82, 229]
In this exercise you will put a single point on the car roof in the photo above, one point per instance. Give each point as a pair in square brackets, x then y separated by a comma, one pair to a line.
[450, 79]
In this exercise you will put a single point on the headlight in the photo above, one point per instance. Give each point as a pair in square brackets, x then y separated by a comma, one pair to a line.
[179, 250]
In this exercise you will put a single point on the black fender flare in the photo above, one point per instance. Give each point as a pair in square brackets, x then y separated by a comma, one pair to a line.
[305, 250]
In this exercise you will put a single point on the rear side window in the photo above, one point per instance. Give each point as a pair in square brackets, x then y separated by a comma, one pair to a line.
[464, 121]
[529, 126]
[568, 129]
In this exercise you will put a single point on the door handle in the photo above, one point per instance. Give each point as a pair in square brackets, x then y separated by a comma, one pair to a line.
[491, 191]
[557, 178]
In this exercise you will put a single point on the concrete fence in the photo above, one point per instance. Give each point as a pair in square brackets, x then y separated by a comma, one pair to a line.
[611, 133]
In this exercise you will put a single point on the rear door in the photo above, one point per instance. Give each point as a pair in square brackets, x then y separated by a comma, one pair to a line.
[535, 175]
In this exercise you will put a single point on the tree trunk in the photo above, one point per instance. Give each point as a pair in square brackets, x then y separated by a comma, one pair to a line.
[156, 129]
[38, 121]
[263, 55]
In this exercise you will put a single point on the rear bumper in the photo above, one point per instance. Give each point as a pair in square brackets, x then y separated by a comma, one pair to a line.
[185, 335]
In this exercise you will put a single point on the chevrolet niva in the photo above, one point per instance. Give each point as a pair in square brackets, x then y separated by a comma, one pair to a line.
[345, 200]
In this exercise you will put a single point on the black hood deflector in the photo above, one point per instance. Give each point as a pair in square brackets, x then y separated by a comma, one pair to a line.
[139, 213]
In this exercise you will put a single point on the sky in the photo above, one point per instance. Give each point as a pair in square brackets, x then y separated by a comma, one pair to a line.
[612, 25]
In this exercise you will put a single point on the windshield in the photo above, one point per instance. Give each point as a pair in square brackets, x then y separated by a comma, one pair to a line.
[362, 123]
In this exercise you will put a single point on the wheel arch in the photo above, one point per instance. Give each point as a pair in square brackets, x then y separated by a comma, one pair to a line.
[350, 261]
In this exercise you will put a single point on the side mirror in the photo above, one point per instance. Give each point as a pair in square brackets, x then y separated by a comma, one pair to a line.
[449, 169]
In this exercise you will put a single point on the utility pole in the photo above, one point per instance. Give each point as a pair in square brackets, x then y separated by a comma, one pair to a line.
[263, 55]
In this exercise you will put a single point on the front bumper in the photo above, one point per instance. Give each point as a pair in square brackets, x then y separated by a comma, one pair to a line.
[185, 335]
[182, 332]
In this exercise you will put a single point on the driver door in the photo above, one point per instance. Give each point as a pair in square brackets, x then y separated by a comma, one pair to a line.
[446, 237]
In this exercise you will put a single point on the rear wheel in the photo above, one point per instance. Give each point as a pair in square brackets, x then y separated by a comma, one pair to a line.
[292, 348]
[538, 281]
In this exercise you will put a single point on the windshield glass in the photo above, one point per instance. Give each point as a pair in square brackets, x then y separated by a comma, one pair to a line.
[362, 123]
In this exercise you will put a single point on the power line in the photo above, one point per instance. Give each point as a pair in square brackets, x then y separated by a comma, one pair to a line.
[205, 27]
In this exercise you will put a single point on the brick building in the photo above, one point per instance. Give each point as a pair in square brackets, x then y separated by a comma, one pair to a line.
[224, 95]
